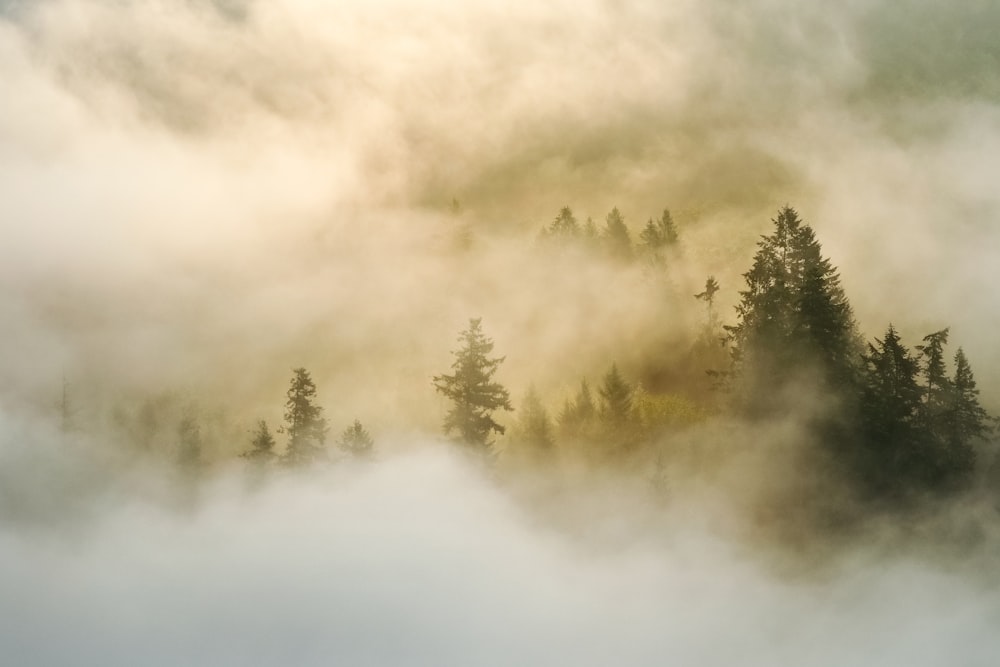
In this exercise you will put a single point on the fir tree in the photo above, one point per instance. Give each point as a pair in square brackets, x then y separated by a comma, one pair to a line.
[565, 225]
[793, 319]
[658, 234]
[576, 420]
[616, 398]
[474, 394]
[305, 425]
[708, 296]
[616, 235]
[356, 441]
[618, 430]
[970, 421]
[534, 427]
[261, 444]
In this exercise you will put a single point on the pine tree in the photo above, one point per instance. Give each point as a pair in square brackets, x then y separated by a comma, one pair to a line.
[793, 319]
[616, 398]
[474, 394]
[565, 225]
[708, 296]
[534, 427]
[577, 418]
[971, 421]
[616, 235]
[261, 444]
[618, 430]
[356, 440]
[658, 234]
[305, 425]
[938, 391]
[897, 454]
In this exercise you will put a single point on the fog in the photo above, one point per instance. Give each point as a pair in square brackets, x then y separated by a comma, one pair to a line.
[197, 196]
[421, 560]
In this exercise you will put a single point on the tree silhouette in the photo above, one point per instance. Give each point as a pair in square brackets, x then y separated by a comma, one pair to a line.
[356, 440]
[578, 416]
[534, 429]
[793, 319]
[474, 394]
[305, 425]
[616, 236]
[261, 444]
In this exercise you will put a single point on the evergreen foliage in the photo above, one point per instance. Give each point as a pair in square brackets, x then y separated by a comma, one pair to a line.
[577, 418]
[474, 394]
[657, 235]
[565, 225]
[356, 440]
[534, 430]
[305, 425]
[793, 319]
[969, 421]
[616, 236]
[261, 444]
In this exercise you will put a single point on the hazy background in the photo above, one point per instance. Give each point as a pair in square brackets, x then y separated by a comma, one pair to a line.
[197, 196]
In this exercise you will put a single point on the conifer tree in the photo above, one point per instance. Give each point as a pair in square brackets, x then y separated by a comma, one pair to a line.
[970, 421]
[658, 234]
[708, 296]
[618, 430]
[576, 420]
[793, 319]
[565, 225]
[534, 427]
[474, 394]
[305, 425]
[616, 235]
[616, 398]
[938, 391]
[261, 444]
[356, 440]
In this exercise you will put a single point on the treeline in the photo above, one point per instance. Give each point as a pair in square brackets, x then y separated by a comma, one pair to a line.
[894, 422]
[658, 238]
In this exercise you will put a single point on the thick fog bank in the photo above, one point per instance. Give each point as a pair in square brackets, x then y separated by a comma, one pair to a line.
[422, 560]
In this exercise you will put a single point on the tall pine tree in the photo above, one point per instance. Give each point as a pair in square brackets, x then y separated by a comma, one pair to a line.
[794, 321]
[472, 391]
[305, 425]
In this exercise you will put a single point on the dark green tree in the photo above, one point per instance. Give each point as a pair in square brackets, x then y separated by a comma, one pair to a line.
[305, 425]
[261, 444]
[356, 441]
[898, 454]
[794, 321]
[970, 421]
[708, 296]
[938, 390]
[472, 391]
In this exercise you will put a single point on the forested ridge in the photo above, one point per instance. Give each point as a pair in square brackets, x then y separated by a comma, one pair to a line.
[882, 421]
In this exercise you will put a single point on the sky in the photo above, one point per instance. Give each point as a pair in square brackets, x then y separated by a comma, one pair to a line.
[197, 196]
